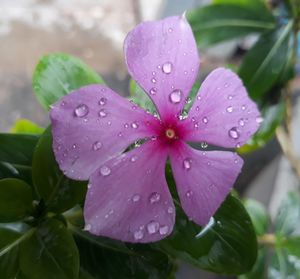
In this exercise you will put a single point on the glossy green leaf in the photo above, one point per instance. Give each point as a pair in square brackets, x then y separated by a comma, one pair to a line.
[258, 215]
[8, 260]
[289, 212]
[15, 200]
[104, 258]
[220, 22]
[263, 65]
[50, 253]
[273, 117]
[292, 245]
[227, 246]
[58, 192]
[58, 74]
[24, 126]
[248, 3]
[139, 97]
[17, 149]
[12, 171]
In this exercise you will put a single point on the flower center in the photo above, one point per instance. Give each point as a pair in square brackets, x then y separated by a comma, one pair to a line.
[170, 133]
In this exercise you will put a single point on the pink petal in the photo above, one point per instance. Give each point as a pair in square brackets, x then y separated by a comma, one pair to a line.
[92, 125]
[222, 114]
[128, 197]
[162, 57]
[203, 179]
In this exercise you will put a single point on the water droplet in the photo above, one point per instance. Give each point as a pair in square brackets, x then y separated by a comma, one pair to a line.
[204, 144]
[229, 109]
[170, 30]
[102, 101]
[175, 96]
[233, 133]
[189, 194]
[185, 72]
[138, 235]
[81, 111]
[133, 159]
[198, 97]
[167, 67]
[188, 100]
[97, 145]
[136, 198]
[238, 145]
[153, 80]
[205, 120]
[134, 125]
[229, 97]
[196, 125]
[242, 122]
[126, 125]
[109, 123]
[197, 108]
[152, 227]
[120, 134]
[89, 186]
[236, 161]
[74, 146]
[134, 107]
[102, 113]
[153, 91]
[170, 210]
[153, 73]
[105, 171]
[163, 230]
[226, 85]
[87, 227]
[154, 197]
[259, 119]
[243, 107]
[183, 115]
[187, 163]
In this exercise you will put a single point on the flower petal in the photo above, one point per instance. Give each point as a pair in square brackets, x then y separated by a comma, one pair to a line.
[92, 125]
[128, 197]
[222, 114]
[162, 57]
[203, 179]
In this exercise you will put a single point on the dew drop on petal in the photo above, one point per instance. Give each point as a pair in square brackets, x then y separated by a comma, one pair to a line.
[243, 107]
[189, 194]
[205, 120]
[242, 122]
[167, 67]
[134, 125]
[259, 119]
[170, 210]
[126, 125]
[196, 125]
[163, 230]
[138, 235]
[153, 91]
[152, 227]
[102, 101]
[187, 163]
[154, 197]
[133, 159]
[102, 113]
[74, 146]
[81, 111]
[229, 109]
[153, 80]
[105, 171]
[233, 133]
[136, 198]
[229, 97]
[175, 96]
[97, 145]
[203, 144]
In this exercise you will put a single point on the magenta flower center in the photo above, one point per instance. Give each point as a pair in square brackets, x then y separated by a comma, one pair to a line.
[170, 133]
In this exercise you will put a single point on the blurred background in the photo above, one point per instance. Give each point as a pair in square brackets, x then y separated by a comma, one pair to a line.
[94, 30]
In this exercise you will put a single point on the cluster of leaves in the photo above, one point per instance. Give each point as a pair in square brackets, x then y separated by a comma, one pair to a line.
[279, 249]
[41, 230]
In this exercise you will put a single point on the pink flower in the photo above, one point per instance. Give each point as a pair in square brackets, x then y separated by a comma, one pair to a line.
[128, 197]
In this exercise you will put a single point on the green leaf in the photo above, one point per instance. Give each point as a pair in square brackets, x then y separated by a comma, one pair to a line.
[251, 3]
[259, 216]
[227, 246]
[15, 200]
[292, 245]
[273, 116]
[17, 149]
[58, 74]
[9, 260]
[220, 22]
[58, 192]
[139, 97]
[289, 211]
[50, 253]
[105, 258]
[263, 65]
[24, 126]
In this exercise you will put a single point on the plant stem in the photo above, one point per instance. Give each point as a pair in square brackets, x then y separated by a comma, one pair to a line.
[267, 240]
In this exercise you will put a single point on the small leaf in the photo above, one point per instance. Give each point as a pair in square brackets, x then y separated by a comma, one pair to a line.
[57, 75]
[50, 253]
[220, 22]
[15, 200]
[252, 3]
[273, 117]
[289, 211]
[24, 126]
[58, 192]
[259, 216]
[9, 260]
[227, 246]
[263, 65]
